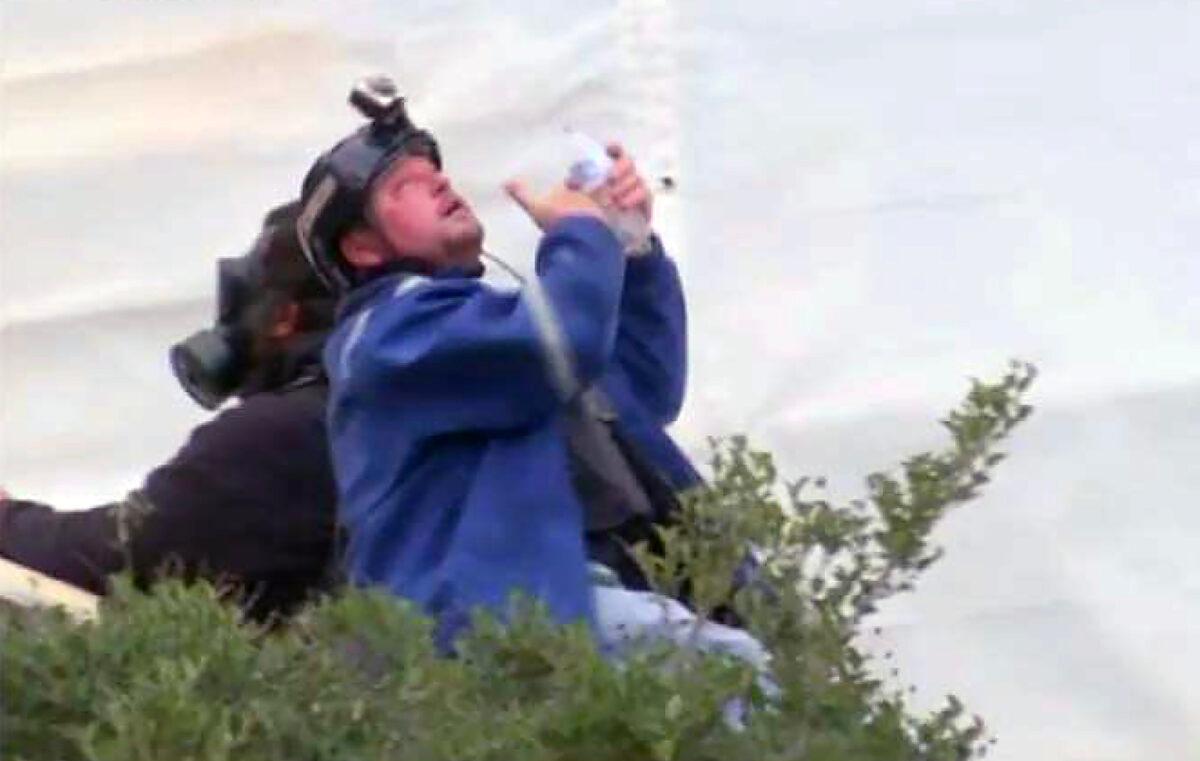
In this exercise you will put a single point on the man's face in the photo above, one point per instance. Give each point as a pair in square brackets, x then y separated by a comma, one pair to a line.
[418, 215]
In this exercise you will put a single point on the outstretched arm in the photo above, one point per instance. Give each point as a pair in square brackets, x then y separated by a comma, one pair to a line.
[78, 547]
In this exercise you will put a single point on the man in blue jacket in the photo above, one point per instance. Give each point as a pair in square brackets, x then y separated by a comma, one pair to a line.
[463, 418]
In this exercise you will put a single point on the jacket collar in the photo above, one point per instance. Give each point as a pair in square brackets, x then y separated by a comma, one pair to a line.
[391, 278]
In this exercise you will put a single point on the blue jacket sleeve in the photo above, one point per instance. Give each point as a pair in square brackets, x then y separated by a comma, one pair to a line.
[457, 355]
[651, 348]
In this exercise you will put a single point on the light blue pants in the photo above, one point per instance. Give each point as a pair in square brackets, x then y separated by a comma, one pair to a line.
[627, 619]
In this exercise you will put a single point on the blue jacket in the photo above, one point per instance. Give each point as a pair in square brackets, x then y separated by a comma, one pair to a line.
[446, 418]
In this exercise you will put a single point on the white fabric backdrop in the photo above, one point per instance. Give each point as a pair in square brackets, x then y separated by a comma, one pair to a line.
[876, 200]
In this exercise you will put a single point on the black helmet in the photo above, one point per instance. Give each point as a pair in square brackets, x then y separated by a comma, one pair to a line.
[336, 188]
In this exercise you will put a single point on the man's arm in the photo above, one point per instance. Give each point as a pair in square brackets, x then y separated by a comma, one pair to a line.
[651, 350]
[651, 347]
[458, 355]
[78, 547]
[236, 502]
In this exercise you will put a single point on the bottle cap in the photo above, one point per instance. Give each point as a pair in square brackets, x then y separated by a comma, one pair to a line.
[591, 165]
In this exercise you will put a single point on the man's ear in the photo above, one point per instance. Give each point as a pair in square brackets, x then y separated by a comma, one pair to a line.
[363, 248]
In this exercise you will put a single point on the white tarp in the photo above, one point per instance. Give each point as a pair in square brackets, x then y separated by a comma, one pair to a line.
[876, 199]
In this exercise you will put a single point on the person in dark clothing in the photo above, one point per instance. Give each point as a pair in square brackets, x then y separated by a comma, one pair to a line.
[249, 501]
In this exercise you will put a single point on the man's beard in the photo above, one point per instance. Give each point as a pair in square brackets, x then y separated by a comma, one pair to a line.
[462, 255]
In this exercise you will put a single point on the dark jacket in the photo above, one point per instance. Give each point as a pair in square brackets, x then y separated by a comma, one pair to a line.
[249, 499]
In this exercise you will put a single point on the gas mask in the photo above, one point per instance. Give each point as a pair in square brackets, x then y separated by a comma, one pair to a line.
[336, 189]
[212, 364]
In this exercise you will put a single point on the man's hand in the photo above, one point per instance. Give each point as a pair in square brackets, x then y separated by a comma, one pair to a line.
[561, 202]
[625, 189]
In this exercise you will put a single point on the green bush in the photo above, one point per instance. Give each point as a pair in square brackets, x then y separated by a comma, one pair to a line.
[178, 675]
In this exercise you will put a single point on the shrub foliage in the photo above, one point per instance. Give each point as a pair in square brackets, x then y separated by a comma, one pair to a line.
[177, 674]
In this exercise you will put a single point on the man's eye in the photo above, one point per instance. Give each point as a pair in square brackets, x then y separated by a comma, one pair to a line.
[403, 183]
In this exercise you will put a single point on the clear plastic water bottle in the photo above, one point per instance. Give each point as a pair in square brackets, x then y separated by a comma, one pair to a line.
[590, 167]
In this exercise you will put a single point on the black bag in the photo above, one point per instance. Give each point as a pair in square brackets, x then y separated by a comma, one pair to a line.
[623, 494]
